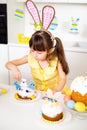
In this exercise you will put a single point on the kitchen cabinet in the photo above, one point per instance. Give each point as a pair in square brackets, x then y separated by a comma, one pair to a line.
[3, 59]
[77, 64]
[15, 52]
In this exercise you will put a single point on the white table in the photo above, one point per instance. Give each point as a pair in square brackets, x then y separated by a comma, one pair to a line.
[15, 115]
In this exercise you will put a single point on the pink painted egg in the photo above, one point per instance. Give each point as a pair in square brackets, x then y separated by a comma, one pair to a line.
[66, 98]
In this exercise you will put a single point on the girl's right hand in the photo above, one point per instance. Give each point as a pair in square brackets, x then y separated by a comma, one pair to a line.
[17, 74]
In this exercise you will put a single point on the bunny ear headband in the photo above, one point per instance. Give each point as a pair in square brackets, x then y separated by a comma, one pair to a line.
[48, 14]
[52, 97]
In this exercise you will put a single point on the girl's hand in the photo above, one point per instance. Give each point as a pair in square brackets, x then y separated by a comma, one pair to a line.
[16, 74]
[55, 90]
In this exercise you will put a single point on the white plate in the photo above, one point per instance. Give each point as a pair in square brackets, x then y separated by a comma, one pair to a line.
[37, 94]
[67, 117]
[79, 115]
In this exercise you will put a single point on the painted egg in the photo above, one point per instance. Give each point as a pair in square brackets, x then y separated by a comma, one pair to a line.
[86, 107]
[70, 104]
[54, 24]
[4, 91]
[80, 107]
[66, 98]
[19, 13]
[68, 91]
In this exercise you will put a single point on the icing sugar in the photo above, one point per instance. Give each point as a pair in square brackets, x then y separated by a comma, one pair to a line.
[25, 92]
[51, 109]
[79, 84]
[23, 83]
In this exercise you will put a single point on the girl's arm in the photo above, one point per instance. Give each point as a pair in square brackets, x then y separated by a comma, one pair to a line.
[12, 65]
[62, 80]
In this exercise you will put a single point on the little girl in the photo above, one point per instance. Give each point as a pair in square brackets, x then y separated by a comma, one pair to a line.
[47, 62]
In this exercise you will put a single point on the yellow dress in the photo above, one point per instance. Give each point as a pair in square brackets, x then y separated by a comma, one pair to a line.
[44, 78]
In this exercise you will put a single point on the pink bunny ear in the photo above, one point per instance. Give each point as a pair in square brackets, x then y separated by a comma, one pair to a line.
[34, 13]
[49, 93]
[48, 14]
[57, 95]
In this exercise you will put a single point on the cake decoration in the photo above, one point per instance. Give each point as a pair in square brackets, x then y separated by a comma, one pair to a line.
[78, 96]
[50, 96]
[51, 109]
[24, 91]
[24, 83]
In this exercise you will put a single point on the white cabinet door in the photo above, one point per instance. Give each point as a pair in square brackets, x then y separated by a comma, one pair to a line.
[16, 52]
[77, 63]
[3, 59]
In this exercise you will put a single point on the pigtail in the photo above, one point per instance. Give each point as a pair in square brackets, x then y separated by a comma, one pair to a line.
[59, 51]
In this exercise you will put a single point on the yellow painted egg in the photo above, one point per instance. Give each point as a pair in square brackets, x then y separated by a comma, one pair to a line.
[4, 91]
[80, 107]
[68, 91]
[86, 108]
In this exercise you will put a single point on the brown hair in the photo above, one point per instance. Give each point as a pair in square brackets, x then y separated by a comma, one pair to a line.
[43, 41]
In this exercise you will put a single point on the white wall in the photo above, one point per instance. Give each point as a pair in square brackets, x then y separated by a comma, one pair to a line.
[14, 26]
[64, 12]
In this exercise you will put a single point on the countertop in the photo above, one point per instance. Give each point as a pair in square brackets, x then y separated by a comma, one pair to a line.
[16, 115]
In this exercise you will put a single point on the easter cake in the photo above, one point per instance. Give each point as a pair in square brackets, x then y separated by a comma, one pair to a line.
[79, 89]
[23, 92]
[51, 109]
[76, 99]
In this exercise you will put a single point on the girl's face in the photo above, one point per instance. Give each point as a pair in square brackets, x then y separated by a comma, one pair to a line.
[39, 55]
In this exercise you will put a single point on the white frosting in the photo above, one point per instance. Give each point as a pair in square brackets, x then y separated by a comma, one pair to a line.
[51, 109]
[23, 83]
[25, 92]
[79, 84]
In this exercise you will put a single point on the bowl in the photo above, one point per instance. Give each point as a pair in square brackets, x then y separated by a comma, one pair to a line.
[76, 114]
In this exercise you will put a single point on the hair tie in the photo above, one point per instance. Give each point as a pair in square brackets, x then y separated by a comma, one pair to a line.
[54, 42]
